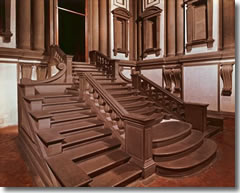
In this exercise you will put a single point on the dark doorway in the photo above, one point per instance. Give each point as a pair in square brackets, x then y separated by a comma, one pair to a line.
[71, 15]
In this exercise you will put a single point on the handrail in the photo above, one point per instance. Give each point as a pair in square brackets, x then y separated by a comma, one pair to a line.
[161, 89]
[115, 105]
[104, 63]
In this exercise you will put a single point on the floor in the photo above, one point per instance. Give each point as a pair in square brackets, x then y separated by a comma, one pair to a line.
[15, 173]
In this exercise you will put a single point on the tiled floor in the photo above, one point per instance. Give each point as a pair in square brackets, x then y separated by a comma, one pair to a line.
[14, 172]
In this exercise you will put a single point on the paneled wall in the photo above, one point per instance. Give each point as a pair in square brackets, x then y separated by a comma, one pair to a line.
[154, 75]
[8, 94]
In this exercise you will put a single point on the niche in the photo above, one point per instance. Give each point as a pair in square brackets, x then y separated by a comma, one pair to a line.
[151, 31]
[121, 18]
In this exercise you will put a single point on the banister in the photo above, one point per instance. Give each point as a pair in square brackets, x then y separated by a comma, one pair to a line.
[117, 107]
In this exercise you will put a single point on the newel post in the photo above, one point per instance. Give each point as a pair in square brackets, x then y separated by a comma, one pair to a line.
[196, 114]
[93, 57]
[82, 85]
[69, 78]
[135, 79]
[138, 143]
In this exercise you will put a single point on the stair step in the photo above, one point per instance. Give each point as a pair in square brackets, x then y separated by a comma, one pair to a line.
[212, 130]
[69, 128]
[83, 66]
[55, 100]
[85, 70]
[86, 136]
[137, 105]
[193, 162]
[117, 88]
[117, 177]
[146, 110]
[71, 117]
[81, 63]
[113, 83]
[103, 163]
[169, 132]
[92, 149]
[56, 95]
[63, 102]
[180, 148]
[130, 98]
[70, 108]
[118, 94]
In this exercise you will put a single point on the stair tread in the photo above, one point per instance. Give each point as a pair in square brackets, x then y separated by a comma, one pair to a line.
[91, 149]
[87, 135]
[68, 109]
[81, 125]
[116, 176]
[60, 102]
[74, 116]
[190, 141]
[168, 130]
[203, 153]
[100, 162]
[129, 98]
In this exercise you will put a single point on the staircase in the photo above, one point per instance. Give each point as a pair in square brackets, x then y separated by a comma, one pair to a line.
[90, 132]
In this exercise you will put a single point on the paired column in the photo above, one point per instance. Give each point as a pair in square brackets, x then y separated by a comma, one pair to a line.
[24, 24]
[95, 25]
[31, 19]
[38, 24]
[103, 33]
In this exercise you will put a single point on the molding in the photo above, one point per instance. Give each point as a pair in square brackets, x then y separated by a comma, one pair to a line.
[149, 3]
[15, 53]
[121, 3]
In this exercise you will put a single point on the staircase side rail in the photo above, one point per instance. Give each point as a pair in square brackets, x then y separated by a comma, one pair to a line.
[194, 113]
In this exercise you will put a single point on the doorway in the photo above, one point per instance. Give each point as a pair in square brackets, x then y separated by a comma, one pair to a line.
[72, 28]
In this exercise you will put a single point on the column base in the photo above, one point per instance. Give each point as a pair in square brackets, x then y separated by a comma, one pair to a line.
[148, 167]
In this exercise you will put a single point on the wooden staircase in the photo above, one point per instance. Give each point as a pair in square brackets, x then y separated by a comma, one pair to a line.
[101, 131]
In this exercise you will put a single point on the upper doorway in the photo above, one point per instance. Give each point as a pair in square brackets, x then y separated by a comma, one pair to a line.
[72, 28]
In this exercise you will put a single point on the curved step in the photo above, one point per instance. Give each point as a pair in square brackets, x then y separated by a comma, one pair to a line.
[189, 164]
[179, 149]
[170, 132]
[117, 177]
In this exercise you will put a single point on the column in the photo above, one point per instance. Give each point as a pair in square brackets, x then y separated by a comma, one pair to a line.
[180, 32]
[38, 24]
[24, 24]
[95, 25]
[103, 27]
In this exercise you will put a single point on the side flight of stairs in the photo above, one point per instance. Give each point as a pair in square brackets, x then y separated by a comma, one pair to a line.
[90, 155]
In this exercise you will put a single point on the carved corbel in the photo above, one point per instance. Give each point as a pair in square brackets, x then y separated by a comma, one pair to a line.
[176, 77]
[167, 79]
[226, 75]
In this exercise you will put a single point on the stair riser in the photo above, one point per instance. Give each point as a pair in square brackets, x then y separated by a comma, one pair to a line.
[49, 107]
[185, 172]
[77, 130]
[107, 168]
[72, 121]
[82, 110]
[52, 100]
[178, 155]
[128, 181]
[82, 158]
[86, 141]
[170, 141]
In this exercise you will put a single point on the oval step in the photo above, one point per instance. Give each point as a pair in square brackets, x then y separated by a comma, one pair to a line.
[190, 163]
[169, 132]
[179, 149]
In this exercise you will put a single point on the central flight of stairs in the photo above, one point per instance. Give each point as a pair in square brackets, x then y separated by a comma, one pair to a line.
[178, 149]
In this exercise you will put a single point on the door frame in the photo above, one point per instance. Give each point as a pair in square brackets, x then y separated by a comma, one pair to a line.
[56, 26]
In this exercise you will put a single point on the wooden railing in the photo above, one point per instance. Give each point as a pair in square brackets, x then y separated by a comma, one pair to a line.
[136, 129]
[43, 74]
[104, 63]
[194, 113]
